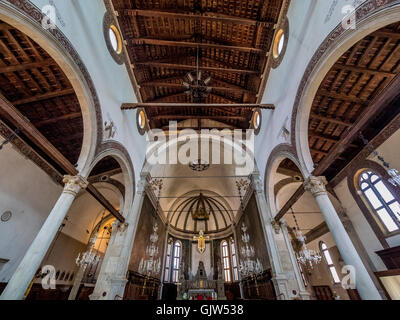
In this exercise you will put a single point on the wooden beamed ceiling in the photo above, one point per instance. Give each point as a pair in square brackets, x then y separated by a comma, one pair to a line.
[36, 86]
[37, 99]
[233, 38]
[33, 82]
[348, 91]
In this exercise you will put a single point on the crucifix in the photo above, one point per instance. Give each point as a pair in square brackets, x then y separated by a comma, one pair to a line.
[201, 241]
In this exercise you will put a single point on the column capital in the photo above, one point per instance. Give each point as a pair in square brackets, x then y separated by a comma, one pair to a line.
[73, 184]
[316, 185]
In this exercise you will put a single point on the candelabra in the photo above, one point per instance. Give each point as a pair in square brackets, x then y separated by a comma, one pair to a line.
[249, 266]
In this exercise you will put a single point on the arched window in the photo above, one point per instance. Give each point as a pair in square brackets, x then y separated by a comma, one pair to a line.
[168, 262]
[234, 261]
[225, 261]
[329, 262]
[176, 261]
[382, 202]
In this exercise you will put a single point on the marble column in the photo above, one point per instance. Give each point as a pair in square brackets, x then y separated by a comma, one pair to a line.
[364, 283]
[26, 270]
[112, 279]
[283, 269]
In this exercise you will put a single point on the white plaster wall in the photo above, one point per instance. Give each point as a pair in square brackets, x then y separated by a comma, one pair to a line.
[82, 23]
[29, 193]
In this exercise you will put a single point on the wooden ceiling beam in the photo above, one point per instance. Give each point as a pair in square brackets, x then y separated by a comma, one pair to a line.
[157, 42]
[187, 15]
[13, 116]
[184, 117]
[341, 96]
[364, 70]
[69, 116]
[180, 86]
[387, 34]
[46, 96]
[329, 119]
[325, 137]
[26, 66]
[192, 67]
[376, 105]
[129, 106]
[292, 200]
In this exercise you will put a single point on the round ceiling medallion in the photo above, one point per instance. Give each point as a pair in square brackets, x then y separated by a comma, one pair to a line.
[6, 216]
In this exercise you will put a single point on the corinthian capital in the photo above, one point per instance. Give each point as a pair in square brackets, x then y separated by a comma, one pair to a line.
[73, 184]
[316, 185]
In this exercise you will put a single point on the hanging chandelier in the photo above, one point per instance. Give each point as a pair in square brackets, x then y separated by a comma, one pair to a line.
[305, 256]
[248, 266]
[394, 173]
[151, 265]
[195, 85]
[90, 256]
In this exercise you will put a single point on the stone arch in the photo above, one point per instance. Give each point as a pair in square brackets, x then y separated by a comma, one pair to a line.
[26, 17]
[239, 148]
[371, 16]
[120, 154]
[278, 154]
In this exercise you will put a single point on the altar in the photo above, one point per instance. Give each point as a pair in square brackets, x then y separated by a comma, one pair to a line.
[202, 294]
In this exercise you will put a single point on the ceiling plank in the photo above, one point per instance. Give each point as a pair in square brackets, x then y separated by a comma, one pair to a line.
[180, 86]
[364, 70]
[26, 66]
[329, 119]
[64, 117]
[45, 96]
[156, 42]
[128, 106]
[192, 67]
[184, 117]
[341, 96]
[387, 34]
[372, 110]
[207, 17]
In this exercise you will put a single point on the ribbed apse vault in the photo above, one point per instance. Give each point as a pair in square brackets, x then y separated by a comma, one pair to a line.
[200, 210]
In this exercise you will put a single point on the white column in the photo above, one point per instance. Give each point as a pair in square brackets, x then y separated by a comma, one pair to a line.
[364, 283]
[282, 268]
[26, 270]
[112, 279]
